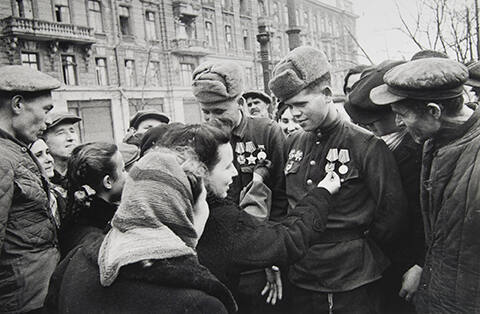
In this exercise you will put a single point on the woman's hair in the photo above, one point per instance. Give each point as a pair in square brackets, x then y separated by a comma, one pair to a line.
[203, 138]
[87, 166]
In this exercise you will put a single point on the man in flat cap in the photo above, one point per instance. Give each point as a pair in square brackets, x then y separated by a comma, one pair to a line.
[218, 88]
[143, 121]
[408, 253]
[341, 270]
[258, 104]
[427, 97]
[28, 242]
[61, 137]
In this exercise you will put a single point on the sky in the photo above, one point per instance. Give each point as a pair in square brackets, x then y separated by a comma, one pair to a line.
[378, 29]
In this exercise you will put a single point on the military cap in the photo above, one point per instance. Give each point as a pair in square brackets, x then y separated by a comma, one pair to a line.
[142, 115]
[258, 94]
[20, 78]
[56, 118]
[298, 69]
[359, 106]
[218, 81]
[422, 79]
[428, 53]
[474, 74]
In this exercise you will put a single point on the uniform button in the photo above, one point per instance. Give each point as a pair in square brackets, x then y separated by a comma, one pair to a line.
[309, 182]
[312, 163]
[317, 142]
[23, 149]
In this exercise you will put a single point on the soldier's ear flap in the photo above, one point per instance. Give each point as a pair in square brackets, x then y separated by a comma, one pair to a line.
[435, 110]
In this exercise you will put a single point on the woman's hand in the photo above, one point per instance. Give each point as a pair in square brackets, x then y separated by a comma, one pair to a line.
[261, 172]
[411, 280]
[331, 182]
[273, 285]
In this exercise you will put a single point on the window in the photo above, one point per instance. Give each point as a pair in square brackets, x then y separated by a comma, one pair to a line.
[62, 11]
[136, 104]
[246, 40]
[276, 14]
[69, 68]
[209, 33]
[228, 37]
[243, 7]
[153, 74]
[285, 17]
[24, 8]
[95, 15]
[150, 30]
[101, 70]
[124, 13]
[227, 5]
[297, 17]
[262, 10]
[306, 21]
[130, 77]
[92, 111]
[30, 59]
[317, 25]
[186, 70]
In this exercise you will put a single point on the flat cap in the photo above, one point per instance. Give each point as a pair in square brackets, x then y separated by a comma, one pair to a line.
[20, 78]
[474, 74]
[359, 106]
[300, 67]
[142, 115]
[258, 94]
[55, 118]
[217, 81]
[423, 79]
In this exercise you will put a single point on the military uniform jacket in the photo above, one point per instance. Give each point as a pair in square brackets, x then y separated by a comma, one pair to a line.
[256, 138]
[450, 198]
[368, 210]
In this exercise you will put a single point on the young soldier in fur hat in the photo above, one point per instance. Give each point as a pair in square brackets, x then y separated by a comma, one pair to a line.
[341, 270]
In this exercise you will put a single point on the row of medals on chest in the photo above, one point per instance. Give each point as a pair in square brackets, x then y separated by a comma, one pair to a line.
[249, 148]
[334, 154]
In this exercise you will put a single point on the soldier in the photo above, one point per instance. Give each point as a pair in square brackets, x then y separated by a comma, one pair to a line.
[341, 270]
[218, 87]
[61, 137]
[258, 104]
[427, 97]
[408, 253]
[28, 243]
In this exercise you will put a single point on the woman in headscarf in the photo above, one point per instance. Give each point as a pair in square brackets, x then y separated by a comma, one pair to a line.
[147, 262]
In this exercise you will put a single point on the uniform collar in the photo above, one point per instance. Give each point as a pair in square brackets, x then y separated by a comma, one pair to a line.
[4, 134]
[322, 133]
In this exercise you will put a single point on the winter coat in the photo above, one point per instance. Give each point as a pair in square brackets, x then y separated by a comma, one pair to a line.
[93, 218]
[234, 241]
[178, 285]
[450, 196]
[28, 243]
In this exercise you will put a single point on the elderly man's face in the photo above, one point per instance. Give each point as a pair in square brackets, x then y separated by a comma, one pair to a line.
[226, 113]
[421, 126]
[257, 107]
[28, 121]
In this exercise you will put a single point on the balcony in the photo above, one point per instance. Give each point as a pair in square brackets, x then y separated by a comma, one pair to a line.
[191, 47]
[185, 9]
[45, 30]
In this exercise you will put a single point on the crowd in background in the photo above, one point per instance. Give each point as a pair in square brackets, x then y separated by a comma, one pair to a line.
[275, 204]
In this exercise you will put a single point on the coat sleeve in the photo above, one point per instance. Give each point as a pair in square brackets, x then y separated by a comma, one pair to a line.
[256, 199]
[261, 244]
[384, 182]
[6, 197]
[276, 182]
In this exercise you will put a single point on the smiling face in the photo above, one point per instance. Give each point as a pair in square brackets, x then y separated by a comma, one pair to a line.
[62, 139]
[287, 122]
[421, 126]
[312, 109]
[41, 151]
[221, 175]
[227, 113]
[29, 116]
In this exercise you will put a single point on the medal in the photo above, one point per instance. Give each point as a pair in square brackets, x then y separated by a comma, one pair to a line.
[329, 167]
[298, 155]
[251, 159]
[291, 155]
[241, 159]
[250, 147]
[332, 155]
[261, 155]
[240, 148]
[343, 157]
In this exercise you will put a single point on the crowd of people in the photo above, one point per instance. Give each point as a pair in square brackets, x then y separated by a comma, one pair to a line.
[275, 204]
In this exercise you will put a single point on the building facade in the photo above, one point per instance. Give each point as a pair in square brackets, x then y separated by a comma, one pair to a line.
[118, 56]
